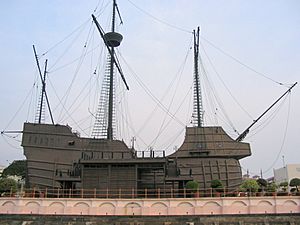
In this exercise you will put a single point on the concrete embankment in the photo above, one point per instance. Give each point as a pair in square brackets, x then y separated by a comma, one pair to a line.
[255, 219]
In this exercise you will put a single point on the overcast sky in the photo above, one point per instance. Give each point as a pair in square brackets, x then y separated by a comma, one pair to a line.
[263, 35]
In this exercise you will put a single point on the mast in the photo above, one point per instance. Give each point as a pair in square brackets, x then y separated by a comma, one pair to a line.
[111, 81]
[198, 108]
[44, 93]
[105, 116]
[244, 134]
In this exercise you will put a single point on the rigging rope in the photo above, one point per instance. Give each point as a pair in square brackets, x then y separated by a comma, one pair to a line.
[270, 118]
[240, 62]
[98, 5]
[209, 42]
[153, 97]
[72, 61]
[65, 38]
[63, 106]
[179, 107]
[66, 50]
[19, 109]
[128, 122]
[160, 20]
[282, 144]
[76, 29]
[158, 102]
[175, 137]
[7, 142]
[180, 72]
[222, 81]
[77, 99]
[162, 128]
[32, 96]
[216, 97]
[83, 54]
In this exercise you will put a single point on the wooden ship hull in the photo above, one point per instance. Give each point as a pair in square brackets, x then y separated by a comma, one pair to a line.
[59, 158]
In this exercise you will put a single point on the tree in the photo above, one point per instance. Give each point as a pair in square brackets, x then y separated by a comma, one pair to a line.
[7, 185]
[295, 182]
[216, 184]
[16, 168]
[249, 185]
[284, 185]
[262, 184]
[192, 185]
[272, 187]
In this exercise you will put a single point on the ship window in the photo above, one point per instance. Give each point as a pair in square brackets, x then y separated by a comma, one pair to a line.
[94, 166]
[122, 166]
[202, 153]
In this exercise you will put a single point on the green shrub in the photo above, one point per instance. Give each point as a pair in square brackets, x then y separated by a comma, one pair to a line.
[262, 182]
[192, 185]
[16, 168]
[249, 186]
[7, 185]
[284, 185]
[216, 184]
[295, 182]
[272, 187]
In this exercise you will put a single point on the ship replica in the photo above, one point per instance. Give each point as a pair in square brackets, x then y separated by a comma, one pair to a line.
[59, 158]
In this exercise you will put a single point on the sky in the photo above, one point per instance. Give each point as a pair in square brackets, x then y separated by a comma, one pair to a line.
[250, 51]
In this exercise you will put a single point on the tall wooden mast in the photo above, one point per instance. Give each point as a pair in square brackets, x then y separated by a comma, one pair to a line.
[112, 40]
[44, 93]
[111, 81]
[198, 108]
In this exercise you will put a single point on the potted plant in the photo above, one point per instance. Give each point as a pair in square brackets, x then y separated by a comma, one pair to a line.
[295, 182]
[217, 187]
[192, 186]
[272, 189]
[262, 185]
[283, 189]
[250, 186]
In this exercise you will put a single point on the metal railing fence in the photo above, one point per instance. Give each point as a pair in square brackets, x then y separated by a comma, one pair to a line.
[134, 193]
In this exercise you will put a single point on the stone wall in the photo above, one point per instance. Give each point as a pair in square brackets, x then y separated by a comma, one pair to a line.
[152, 207]
[254, 219]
